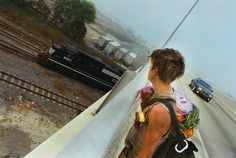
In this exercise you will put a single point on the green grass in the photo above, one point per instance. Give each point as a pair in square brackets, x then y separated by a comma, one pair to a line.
[29, 22]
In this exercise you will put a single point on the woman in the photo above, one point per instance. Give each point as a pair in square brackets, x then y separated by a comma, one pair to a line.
[144, 138]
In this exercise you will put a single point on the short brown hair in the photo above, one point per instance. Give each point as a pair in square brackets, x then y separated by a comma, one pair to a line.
[169, 63]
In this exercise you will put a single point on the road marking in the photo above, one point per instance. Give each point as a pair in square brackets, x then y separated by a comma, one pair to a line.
[204, 147]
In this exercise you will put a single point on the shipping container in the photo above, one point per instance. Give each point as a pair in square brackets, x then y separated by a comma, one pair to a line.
[128, 59]
[120, 53]
[111, 47]
[101, 42]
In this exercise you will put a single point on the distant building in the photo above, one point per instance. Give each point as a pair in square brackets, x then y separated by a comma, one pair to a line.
[120, 53]
[102, 41]
[128, 59]
[111, 47]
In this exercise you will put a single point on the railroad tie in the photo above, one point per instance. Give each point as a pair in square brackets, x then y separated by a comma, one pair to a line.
[36, 89]
[48, 94]
[53, 97]
[25, 85]
[43, 92]
[19, 82]
[5, 77]
[12, 80]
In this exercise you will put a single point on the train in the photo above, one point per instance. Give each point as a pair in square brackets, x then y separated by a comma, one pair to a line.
[73, 61]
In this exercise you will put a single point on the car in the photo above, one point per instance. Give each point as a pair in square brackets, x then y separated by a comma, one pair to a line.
[202, 89]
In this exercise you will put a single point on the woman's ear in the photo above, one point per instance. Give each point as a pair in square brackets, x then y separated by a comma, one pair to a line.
[154, 71]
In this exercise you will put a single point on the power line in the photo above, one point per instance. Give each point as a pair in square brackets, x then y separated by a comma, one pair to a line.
[180, 24]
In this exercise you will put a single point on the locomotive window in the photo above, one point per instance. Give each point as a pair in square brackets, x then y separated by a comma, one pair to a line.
[51, 50]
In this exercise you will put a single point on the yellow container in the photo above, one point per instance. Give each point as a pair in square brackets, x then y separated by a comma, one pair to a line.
[140, 117]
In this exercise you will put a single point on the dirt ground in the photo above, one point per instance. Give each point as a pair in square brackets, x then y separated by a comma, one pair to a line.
[26, 120]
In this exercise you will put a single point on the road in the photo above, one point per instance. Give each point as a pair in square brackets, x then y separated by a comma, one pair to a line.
[217, 121]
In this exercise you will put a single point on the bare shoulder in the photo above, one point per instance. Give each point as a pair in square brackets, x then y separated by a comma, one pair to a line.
[159, 109]
[159, 115]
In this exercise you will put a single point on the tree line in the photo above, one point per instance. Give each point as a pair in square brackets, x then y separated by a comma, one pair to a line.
[70, 15]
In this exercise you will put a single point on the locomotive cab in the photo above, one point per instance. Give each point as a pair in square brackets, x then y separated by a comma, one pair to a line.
[65, 54]
[54, 48]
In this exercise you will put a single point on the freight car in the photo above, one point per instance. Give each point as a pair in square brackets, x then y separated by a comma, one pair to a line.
[77, 63]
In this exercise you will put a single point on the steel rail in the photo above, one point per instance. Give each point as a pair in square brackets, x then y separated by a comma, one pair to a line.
[6, 26]
[43, 92]
[19, 40]
[17, 51]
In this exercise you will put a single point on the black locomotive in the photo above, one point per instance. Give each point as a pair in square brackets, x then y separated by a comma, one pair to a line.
[79, 64]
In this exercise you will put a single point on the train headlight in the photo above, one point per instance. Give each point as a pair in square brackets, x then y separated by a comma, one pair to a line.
[210, 96]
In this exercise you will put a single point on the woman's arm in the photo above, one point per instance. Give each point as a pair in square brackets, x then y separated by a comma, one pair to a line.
[158, 123]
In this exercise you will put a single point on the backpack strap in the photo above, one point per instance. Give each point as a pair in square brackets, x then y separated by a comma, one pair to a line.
[150, 104]
[174, 122]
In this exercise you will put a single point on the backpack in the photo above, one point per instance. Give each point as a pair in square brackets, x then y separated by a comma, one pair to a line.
[174, 146]
[187, 113]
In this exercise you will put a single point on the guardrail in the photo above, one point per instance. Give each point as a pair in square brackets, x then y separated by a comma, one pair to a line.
[95, 138]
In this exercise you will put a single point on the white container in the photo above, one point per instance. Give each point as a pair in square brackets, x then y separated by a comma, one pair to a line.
[111, 47]
[120, 53]
[102, 41]
[128, 60]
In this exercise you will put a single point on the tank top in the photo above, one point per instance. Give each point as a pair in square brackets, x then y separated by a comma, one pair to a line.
[135, 136]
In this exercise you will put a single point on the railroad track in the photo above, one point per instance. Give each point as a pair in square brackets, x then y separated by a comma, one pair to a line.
[35, 89]
[17, 51]
[23, 36]
[19, 40]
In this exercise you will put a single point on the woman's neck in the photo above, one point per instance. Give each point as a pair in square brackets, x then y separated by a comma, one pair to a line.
[163, 88]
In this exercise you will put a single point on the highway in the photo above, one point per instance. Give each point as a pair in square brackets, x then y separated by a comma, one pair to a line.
[216, 136]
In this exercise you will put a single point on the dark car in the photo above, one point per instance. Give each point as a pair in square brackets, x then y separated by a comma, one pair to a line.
[201, 88]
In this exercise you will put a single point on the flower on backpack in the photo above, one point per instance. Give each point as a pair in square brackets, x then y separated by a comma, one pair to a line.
[146, 92]
[189, 122]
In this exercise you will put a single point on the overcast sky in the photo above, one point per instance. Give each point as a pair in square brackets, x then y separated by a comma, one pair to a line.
[207, 38]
